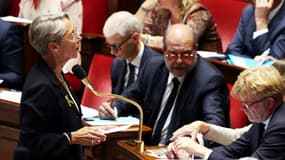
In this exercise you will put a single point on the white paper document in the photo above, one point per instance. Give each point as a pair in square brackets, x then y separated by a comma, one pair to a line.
[89, 112]
[11, 95]
[208, 54]
[16, 19]
[119, 121]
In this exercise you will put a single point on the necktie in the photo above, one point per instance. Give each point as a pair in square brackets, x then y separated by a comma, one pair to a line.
[160, 123]
[131, 74]
[260, 133]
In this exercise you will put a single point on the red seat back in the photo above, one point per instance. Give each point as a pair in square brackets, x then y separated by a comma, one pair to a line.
[238, 118]
[226, 14]
[100, 76]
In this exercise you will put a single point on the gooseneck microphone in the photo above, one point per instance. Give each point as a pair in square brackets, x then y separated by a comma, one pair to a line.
[81, 74]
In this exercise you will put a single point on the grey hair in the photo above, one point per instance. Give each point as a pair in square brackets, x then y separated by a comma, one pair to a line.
[123, 23]
[45, 29]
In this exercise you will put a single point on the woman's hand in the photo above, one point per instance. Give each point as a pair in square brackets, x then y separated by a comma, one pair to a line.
[88, 136]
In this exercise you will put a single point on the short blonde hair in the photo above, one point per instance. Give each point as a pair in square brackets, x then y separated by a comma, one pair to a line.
[280, 66]
[262, 81]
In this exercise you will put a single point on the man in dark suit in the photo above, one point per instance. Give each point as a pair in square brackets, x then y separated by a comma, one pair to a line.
[123, 38]
[11, 56]
[260, 90]
[202, 93]
[261, 30]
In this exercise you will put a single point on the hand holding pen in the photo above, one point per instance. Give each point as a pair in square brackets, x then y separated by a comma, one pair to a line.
[107, 111]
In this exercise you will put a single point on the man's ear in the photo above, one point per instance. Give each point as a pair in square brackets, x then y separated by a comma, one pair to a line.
[136, 36]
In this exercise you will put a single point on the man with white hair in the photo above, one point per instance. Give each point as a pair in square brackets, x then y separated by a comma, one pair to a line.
[122, 31]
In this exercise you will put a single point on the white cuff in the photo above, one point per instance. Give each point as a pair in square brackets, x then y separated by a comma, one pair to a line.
[259, 33]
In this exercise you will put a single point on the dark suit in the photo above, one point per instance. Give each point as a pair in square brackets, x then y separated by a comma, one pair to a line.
[11, 56]
[274, 39]
[272, 145]
[119, 69]
[45, 115]
[203, 95]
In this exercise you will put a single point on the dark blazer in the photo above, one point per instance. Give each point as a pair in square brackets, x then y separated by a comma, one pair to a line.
[45, 115]
[119, 69]
[11, 56]
[203, 95]
[274, 39]
[272, 146]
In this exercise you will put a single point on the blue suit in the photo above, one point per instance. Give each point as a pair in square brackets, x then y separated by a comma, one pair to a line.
[203, 95]
[244, 44]
[11, 56]
[272, 144]
[119, 69]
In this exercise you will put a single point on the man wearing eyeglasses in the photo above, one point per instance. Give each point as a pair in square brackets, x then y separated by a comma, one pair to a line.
[197, 89]
[260, 90]
[122, 31]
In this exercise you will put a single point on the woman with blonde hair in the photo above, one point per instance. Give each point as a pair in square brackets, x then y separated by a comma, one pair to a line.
[158, 15]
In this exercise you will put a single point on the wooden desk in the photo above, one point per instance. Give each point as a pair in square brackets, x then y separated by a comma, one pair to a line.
[9, 135]
[130, 153]
[9, 128]
[230, 71]
[109, 150]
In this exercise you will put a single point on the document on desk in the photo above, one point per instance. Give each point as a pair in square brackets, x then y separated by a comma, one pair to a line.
[11, 95]
[118, 122]
[89, 112]
[157, 152]
[212, 55]
[245, 62]
[16, 19]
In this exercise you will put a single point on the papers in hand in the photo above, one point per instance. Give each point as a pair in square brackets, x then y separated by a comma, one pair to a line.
[245, 62]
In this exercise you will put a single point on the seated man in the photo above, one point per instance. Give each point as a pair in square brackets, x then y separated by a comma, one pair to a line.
[176, 90]
[123, 38]
[261, 90]
[11, 56]
[261, 30]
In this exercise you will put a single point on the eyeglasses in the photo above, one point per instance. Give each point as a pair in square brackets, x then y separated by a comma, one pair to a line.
[118, 47]
[185, 55]
[73, 35]
[247, 106]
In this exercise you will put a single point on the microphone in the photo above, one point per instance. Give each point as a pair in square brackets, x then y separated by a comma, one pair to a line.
[81, 74]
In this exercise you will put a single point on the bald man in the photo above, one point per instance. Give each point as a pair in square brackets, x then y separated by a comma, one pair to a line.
[202, 93]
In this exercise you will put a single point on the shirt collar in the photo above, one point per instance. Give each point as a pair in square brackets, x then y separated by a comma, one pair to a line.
[266, 122]
[137, 60]
[171, 76]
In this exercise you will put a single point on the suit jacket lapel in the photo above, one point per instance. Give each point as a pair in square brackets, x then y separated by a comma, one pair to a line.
[277, 23]
[256, 136]
[159, 91]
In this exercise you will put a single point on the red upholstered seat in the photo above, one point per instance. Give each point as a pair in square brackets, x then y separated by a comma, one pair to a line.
[238, 118]
[226, 14]
[100, 76]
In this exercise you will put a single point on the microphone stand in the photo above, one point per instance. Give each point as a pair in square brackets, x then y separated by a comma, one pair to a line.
[139, 142]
